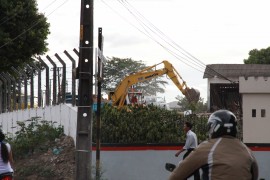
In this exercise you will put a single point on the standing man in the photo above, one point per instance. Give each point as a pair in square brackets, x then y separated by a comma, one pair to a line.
[223, 156]
[190, 145]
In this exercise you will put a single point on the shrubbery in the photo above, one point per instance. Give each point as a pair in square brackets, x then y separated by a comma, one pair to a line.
[146, 125]
[33, 135]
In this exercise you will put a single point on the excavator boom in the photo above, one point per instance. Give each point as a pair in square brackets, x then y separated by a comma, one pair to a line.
[119, 95]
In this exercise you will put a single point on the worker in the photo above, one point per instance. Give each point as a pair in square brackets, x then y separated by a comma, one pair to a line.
[134, 100]
[190, 144]
[221, 157]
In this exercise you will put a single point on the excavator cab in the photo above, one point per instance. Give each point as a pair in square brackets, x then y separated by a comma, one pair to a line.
[132, 98]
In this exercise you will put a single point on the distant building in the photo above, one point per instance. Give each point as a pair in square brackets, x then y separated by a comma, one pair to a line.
[174, 105]
[245, 90]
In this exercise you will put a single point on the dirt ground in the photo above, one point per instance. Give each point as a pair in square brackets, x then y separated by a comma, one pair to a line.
[57, 163]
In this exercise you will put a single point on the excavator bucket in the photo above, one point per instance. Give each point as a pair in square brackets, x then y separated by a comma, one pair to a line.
[192, 95]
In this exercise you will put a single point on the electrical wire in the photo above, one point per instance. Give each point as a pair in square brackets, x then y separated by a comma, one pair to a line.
[161, 34]
[153, 30]
[186, 54]
[150, 28]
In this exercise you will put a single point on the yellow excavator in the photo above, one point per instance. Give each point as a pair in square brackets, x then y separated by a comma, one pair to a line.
[118, 97]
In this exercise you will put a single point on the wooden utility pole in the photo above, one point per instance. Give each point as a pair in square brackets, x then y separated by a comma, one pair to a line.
[85, 93]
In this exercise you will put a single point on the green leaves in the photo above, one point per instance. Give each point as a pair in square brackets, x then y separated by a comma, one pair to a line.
[33, 134]
[258, 56]
[23, 33]
[146, 125]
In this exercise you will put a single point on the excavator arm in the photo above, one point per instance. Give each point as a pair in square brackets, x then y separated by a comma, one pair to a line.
[119, 95]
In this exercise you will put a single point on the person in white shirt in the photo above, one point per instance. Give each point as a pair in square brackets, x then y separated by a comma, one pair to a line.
[190, 145]
[6, 158]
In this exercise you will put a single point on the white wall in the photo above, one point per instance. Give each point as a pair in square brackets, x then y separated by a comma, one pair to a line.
[62, 114]
[256, 129]
[256, 95]
[150, 164]
[254, 85]
[116, 165]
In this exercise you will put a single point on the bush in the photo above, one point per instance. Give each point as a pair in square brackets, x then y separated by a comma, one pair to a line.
[33, 135]
[146, 125]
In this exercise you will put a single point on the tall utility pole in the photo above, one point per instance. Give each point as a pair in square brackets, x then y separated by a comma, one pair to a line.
[99, 78]
[85, 93]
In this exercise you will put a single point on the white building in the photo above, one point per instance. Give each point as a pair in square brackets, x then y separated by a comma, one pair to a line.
[245, 90]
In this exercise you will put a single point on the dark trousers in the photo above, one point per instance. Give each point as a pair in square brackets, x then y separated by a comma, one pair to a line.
[196, 174]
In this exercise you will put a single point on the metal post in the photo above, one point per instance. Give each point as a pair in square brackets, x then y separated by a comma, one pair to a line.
[73, 78]
[63, 84]
[19, 87]
[13, 82]
[85, 92]
[13, 90]
[59, 85]
[47, 92]
[25, 87]
[4, 93]
[31, 86]
[54, 79]
[8, 91]
[39, 83]
[76, 51]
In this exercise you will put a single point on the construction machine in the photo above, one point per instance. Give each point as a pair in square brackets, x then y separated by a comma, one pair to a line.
[118, 97]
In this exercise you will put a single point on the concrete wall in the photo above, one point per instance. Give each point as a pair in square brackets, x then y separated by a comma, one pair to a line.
[62, 114]
[256, 96]
[150, 164]
[256, 129]
[254, 85]
[132, 164]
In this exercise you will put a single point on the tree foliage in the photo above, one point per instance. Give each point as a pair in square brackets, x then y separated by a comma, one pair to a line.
[116, 69]
[198, 107]
[23, 33]
[258, 56]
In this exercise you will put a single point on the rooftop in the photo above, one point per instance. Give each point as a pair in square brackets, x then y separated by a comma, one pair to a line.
[236, 70]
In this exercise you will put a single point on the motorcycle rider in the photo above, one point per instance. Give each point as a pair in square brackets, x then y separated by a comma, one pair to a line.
[221, 157]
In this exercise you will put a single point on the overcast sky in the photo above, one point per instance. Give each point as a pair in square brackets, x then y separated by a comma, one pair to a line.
[189, 34]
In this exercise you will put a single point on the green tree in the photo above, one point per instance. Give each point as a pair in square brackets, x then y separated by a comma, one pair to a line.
[258, 56]
[116, 69]
[198, 107]
[23, 33]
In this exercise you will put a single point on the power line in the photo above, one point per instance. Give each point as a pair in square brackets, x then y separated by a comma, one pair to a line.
[163, 36]
[191, 59]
